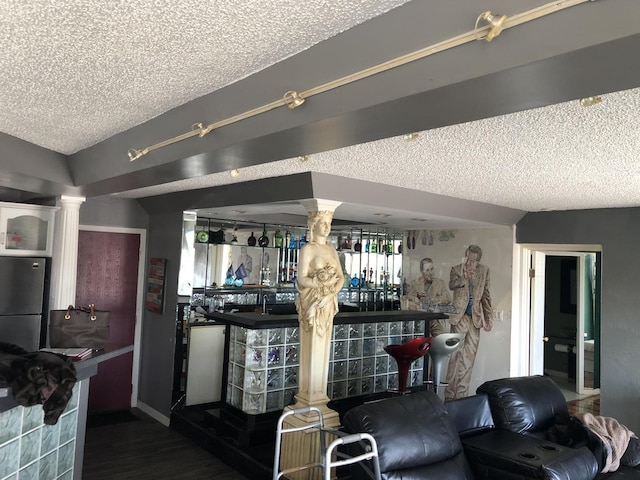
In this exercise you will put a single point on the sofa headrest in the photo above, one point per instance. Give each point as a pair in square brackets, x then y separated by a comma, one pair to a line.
[471, 415]
[410, 430]
[525, 404]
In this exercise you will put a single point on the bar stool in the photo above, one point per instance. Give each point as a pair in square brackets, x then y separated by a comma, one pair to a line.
[405, 355]
[442, 346]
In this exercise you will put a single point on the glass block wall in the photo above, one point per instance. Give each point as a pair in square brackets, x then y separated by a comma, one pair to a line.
[29, 449]
[263, 364]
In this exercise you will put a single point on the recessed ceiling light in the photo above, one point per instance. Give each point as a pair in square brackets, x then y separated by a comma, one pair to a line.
[382, 214]
[589, 101]
[234, 173]
[408, 137]
[303, 158]
[418, 219]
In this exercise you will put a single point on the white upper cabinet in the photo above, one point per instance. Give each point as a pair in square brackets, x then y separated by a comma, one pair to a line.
[26, 230]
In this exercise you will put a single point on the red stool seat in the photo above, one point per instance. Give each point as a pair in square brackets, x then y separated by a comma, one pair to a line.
[405, 355]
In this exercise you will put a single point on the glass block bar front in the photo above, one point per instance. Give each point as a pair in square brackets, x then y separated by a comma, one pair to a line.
[263, 363]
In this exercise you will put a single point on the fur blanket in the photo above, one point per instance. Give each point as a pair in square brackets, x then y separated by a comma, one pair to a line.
[614, 436]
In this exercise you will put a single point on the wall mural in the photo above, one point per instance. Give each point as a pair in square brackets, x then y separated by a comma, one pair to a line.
[455, 272]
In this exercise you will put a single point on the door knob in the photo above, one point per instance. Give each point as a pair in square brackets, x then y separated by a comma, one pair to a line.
[545, 339]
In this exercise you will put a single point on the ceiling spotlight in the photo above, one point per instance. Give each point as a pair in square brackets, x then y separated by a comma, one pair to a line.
[408, 137]
[134, 154]
[201, 129]
[303, 158]
[494, 21]
[589, 101]
[292, 99]
[234, 173]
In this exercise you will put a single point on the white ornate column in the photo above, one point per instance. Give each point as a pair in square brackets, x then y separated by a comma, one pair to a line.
[64, 268]
[303, 447]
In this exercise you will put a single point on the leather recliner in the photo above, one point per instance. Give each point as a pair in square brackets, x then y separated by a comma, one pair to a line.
[420, 438]
[535, 407]
[416, 438]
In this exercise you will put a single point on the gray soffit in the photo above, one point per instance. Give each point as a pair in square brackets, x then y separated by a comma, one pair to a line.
[501, 131]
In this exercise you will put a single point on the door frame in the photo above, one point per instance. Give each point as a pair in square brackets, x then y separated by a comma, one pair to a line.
[135, 369]
[526, 298]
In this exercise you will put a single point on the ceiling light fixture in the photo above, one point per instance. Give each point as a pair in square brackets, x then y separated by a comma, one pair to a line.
[409, 137]
[293, 99]
[303, 158]
[590, 101]
[495, 25]
[234, 173]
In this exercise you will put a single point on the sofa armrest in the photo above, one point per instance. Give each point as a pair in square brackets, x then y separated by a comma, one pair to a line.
[500, 454]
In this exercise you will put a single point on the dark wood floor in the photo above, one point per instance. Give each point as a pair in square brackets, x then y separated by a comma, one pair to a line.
[146, 450]
[585, 405]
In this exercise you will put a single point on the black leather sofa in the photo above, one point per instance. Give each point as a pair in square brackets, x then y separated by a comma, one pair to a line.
[534, 407]
[500, 433]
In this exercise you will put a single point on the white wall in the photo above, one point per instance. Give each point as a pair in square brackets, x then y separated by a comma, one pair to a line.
[447, 250]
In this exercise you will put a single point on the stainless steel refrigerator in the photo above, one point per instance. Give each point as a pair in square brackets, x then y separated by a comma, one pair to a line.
[24, 283]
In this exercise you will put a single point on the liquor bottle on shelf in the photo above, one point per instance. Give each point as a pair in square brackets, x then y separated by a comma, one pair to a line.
[251, 241]
[292, 241]
[277, 239]
[287, 239]
[366, 247]
[374, 247]
[263, 241]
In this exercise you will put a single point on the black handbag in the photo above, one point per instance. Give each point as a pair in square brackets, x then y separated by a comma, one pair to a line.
[79, 327]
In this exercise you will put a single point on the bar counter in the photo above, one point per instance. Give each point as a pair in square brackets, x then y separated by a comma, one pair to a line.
[261, 356]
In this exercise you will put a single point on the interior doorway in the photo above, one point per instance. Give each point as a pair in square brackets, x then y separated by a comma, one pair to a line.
[563, 314]
[110, 272]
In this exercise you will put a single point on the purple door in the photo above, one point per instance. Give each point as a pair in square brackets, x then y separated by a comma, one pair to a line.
[108, 278]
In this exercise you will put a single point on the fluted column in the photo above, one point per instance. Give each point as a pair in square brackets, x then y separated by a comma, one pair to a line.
[64, 268]
[319, 265]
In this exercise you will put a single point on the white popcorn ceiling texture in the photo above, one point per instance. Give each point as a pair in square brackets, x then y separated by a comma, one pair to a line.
[562, 157]
[75, 72]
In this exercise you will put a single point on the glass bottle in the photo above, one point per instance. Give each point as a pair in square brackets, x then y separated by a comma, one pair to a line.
[277, 239]
[263, 241]
[374, 247]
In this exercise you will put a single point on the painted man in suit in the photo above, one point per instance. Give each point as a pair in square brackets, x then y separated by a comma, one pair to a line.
[429, 289]
[469, 282]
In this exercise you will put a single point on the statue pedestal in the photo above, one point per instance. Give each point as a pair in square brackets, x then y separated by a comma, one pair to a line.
[303, 447]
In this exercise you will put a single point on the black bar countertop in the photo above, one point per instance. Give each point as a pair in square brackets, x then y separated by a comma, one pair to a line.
[255, 321]
[84, 369]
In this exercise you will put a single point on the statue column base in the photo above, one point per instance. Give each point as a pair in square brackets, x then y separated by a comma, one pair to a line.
[303, 447]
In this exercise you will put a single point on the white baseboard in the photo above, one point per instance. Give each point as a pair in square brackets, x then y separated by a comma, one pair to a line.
[152, 412]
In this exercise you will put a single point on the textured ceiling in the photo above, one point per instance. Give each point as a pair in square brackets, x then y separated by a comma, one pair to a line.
[76, 72]
[562, 157]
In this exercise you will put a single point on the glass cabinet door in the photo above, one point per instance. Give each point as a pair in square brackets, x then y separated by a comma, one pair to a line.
[26, 230]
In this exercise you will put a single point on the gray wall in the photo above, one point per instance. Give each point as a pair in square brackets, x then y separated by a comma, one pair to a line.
[113, 212]
[158, 330]
[617, 230]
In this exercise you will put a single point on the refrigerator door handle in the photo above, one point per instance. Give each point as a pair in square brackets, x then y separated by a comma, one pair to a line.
[1, 238]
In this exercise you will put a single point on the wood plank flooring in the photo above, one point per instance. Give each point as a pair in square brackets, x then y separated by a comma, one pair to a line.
[147, 450]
